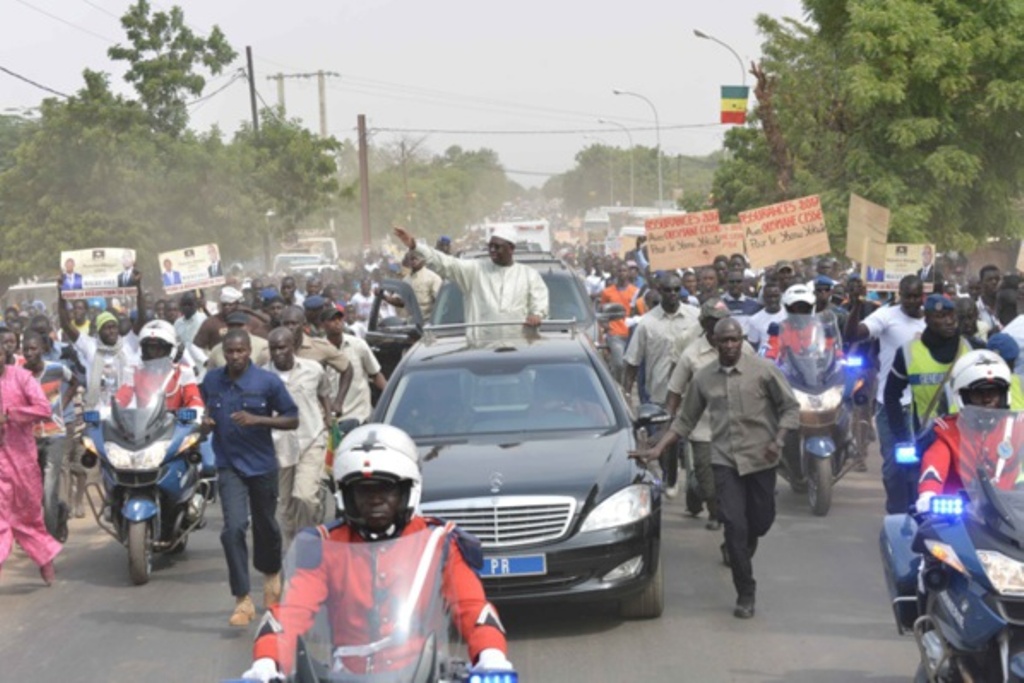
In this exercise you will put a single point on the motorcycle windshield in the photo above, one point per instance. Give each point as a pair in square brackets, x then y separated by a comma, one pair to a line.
[807, 350]
[367, 611]
[138, 413]
[991, 448]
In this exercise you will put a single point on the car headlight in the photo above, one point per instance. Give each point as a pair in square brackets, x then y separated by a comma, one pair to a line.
[629, 505]
[148, 458]
[1005, 573]
[829, 400]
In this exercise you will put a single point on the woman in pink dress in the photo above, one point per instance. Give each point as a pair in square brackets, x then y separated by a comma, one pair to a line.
[22, 404]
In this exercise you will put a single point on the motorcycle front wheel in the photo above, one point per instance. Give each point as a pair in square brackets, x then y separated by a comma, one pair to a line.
[140, 552]
[819, 485]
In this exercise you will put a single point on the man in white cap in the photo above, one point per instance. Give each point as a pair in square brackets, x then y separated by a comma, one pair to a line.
[498, 290]
[213, 329]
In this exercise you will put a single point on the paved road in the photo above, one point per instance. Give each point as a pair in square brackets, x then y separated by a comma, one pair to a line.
[822, 613]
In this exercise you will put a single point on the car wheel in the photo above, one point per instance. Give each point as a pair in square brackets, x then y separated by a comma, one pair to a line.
[650, 602]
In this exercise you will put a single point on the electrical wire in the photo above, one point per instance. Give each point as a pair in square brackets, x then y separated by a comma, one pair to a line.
[239, 74]
[101, 9]
[66, 22]
[562, 131]
[31, 82]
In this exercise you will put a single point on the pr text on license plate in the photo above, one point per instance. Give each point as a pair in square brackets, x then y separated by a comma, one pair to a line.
[517, 565]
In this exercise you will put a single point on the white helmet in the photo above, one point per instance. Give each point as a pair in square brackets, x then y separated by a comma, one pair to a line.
[160, 330]
[974, 370]
[798, 293]
[378, 451]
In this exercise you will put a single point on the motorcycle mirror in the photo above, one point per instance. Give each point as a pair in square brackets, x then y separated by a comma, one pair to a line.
[91, 416]
[187, 415]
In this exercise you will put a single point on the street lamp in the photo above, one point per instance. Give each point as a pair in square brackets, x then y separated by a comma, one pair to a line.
[657, 135]
[611, 167]
[629, 136]
[705, 36]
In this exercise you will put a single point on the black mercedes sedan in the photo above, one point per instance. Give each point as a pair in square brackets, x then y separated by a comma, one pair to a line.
[524, 444]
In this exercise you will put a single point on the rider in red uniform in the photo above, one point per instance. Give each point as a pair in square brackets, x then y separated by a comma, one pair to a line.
[160, 370]
[377, 468]
[794, 333]
[979, 378]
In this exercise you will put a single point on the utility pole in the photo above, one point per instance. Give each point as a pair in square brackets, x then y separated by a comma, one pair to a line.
[321, 77]
[364, 180]
[256, 133]
[279, 77]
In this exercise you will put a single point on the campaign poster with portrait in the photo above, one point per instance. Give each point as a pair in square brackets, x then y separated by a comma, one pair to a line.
[901, 260]
[97, 272]
[191, 268]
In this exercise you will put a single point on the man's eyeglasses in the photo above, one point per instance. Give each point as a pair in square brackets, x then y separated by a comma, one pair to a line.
[822, 289]
[735, 282]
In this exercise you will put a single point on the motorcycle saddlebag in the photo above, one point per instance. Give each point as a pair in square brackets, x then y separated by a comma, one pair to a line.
[901, 565]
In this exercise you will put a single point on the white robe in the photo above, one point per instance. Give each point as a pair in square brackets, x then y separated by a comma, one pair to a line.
[492, 293]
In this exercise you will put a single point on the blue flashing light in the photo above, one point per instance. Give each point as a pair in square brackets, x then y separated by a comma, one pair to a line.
[906, 454]
[91, 416]
[946, 506]
[855, 362]
[187, 415]
[494, 677]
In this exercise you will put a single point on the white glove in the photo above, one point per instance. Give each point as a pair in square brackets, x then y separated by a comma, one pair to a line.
[924, 502]
[263, 670]
[492, 659]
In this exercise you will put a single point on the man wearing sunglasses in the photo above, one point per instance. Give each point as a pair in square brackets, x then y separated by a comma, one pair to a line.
[662, 333]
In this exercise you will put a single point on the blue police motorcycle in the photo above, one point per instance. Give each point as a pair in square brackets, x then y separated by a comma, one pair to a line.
[956, 572]
[152, 494]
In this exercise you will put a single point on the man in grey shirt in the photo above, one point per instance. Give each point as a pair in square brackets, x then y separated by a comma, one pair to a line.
[752, 408]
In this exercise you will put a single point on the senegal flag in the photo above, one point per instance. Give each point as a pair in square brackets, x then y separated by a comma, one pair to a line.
[734, 103]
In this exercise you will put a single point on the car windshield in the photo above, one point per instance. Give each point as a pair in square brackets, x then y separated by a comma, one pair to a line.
[565, 301]
[511, 398]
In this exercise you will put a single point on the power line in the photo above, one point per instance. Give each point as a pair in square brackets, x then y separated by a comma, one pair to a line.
[240, 73]
[31, 82]
[66, 22]
[561, 131]
[101, 9]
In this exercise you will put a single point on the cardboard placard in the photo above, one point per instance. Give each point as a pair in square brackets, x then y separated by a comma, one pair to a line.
[730, 239]
[191, 268]
[900, 260]
[788, 230]
[867, 232]
[682, 241]
[100, 272]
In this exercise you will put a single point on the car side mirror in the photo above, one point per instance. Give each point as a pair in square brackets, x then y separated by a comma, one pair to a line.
[609, 312]
[347, 425]
[648, 414]
[398, 325]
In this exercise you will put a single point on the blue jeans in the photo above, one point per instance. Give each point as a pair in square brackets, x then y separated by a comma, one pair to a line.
[240, 498]
[900, 481]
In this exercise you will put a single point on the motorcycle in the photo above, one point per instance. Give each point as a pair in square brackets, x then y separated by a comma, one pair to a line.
[399, 630]
[152, 494]
[956, 573]
[820, 453]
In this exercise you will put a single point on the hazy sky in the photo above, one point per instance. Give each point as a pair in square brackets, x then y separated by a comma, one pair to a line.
[475, 66]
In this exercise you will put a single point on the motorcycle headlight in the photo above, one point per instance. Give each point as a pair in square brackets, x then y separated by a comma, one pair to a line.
[828, 400]
[945, 554]
[1005, 573]
[629, 505]
[148, 458]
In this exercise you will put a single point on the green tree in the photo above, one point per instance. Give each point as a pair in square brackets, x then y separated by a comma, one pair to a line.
[164, 57]
[915, 104]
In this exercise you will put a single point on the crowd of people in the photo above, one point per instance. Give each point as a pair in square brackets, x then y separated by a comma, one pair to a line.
[274, 363]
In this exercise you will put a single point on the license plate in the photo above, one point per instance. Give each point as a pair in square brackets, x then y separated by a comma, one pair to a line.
[518, 565]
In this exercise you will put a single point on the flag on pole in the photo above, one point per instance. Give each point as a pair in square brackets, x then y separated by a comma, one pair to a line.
[734, 103]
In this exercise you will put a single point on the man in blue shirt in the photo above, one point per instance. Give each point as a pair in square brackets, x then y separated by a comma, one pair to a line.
[243, 404]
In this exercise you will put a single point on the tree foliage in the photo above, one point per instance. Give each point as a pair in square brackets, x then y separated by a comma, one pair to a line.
[164, 56]
[915, 104]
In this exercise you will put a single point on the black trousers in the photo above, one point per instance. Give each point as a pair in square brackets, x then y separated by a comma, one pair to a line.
[746, 505]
